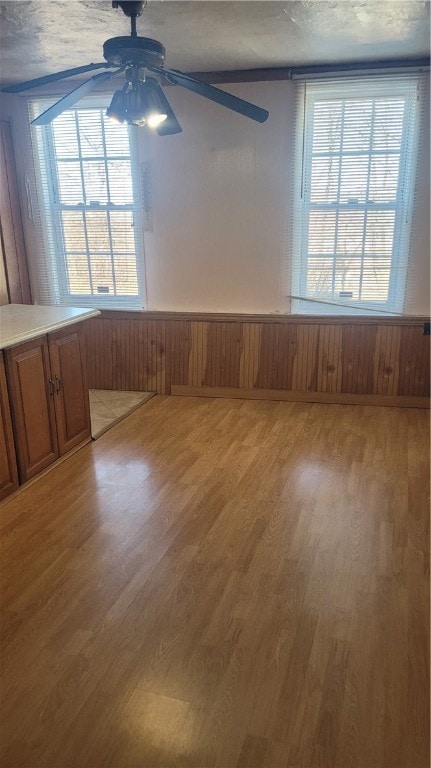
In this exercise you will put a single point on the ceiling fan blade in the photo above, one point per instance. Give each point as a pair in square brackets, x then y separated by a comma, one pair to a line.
[214, 94]
[68, 101]
[52, 78]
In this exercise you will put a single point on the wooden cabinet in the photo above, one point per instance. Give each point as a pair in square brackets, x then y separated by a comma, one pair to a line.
[72, 409]
[32, 391]
[49, 399]
[8, 467]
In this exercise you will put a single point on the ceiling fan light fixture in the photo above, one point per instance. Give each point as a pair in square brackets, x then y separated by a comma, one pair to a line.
[152, 109]
[135, 111]
[138, 103]
[117, 108]
[170, 125]
[155, 119]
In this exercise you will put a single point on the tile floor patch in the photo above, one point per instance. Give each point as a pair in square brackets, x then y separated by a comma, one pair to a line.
[108, 407]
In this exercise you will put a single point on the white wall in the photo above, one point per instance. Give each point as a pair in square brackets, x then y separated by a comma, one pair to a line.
[417, 300]
[221, 194]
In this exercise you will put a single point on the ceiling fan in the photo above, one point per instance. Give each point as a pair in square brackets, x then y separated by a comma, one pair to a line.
[141, 101]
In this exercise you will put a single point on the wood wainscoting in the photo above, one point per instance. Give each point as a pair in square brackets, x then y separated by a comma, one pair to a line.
[14, 279]
[339, 359]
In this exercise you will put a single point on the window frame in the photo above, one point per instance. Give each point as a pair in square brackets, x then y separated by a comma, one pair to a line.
[52, 227]
[332, 89]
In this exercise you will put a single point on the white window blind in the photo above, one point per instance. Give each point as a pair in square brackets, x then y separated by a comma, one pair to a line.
[355, 174]
[89, 210]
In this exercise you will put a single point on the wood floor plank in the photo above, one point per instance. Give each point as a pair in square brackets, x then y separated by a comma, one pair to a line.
[222, 583]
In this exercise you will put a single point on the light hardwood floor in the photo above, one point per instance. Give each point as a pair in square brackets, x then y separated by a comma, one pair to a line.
[220, 583]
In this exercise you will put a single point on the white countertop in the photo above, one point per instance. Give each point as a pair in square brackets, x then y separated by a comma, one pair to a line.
[22, 322]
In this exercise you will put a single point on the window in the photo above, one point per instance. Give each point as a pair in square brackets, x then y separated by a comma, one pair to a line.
[89, 201]
[355, 178]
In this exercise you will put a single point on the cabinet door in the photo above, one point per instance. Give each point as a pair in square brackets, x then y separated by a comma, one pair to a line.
[8, 468]
[32, 404]
[72, 408]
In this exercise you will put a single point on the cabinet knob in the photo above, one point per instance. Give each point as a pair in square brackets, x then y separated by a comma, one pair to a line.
[57, 384]
[51, 387]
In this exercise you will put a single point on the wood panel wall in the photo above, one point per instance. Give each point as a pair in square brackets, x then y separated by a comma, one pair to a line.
[319, 359]
[14, 279]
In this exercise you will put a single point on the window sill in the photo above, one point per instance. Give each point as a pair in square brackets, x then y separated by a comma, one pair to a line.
[286, 319]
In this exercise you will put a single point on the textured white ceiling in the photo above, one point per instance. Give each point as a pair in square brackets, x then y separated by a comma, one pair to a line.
[43, 36]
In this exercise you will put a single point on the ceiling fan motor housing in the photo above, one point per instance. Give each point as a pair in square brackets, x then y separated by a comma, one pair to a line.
[130, 8]
[121, 51]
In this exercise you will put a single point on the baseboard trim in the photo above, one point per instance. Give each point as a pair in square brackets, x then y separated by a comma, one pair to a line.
[342, 398]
